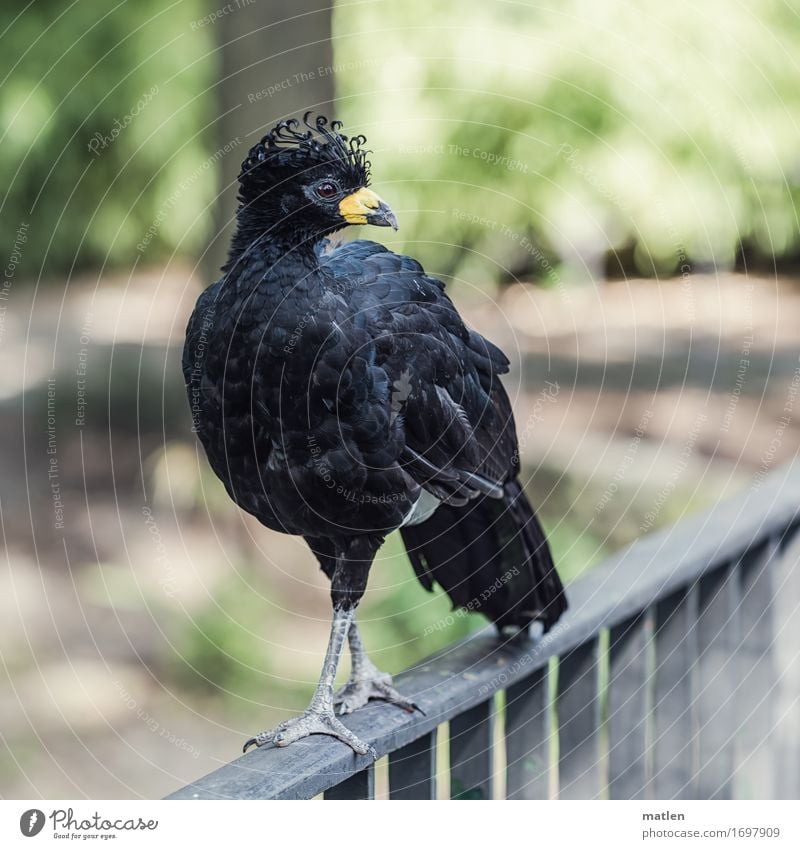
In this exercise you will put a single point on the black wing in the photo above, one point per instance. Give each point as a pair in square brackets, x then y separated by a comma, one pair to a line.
[459, 431]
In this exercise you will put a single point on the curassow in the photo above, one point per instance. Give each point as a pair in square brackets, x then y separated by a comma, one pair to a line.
[339, 396]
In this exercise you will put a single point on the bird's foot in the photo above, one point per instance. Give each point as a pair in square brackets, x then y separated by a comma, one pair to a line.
[312, 721]
[358, 691]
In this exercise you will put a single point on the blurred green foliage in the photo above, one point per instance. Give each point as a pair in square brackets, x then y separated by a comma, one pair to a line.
[130, 80]
[221, 651]
[655, 129]
[512, 138]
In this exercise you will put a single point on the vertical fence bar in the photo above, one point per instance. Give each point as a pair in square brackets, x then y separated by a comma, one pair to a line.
[412, 769]
[528, 738]
[578, 723]
[716, 713]
[786, 654]
[471, 753]
[358, 786]
[628, 707]
[755, 676]
[673, 728]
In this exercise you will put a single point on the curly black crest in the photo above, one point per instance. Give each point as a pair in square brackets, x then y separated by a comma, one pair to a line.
[288, 146]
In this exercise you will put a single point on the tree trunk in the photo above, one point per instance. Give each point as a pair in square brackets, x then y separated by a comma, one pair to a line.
[276, 61]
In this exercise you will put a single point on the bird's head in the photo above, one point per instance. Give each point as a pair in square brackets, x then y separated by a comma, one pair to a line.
[302, 182]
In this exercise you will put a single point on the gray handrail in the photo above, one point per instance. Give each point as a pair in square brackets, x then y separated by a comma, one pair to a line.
[470, 672]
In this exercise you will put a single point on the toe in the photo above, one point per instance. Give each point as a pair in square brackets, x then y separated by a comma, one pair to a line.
[368, 750]
[391, 695]
[313, 722]
[358, 746]
[350, 704]
[357, 694]
[336, 729]
[263, 738]
[345, 695]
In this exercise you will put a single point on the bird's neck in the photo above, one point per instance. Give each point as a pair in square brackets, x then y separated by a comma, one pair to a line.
[276, 252]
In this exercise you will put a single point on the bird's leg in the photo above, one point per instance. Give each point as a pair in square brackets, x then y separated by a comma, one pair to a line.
[367, 681]
[319, 717]
[349, 572]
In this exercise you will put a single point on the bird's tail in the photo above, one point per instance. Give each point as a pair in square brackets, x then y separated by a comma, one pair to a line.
[490, 556]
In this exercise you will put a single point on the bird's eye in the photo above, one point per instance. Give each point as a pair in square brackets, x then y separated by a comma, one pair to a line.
[327, 189]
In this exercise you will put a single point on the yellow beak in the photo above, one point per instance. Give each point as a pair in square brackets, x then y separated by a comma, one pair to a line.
[365, 207]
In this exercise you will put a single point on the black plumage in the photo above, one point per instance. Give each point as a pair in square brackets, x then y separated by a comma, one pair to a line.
[339, 396]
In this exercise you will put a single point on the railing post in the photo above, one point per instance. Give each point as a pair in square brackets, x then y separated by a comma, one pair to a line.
[578, 723]
[628, 707]
[786, 654]
[724, 721]
[412, 769]
[527, 730]
[673, 730]
[714, 699]
[361, 785]
[471, 753]
[755, 675]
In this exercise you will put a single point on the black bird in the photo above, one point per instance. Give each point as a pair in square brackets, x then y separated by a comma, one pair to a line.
[339, 396]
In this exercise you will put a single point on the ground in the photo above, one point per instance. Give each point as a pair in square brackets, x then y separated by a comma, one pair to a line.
[148, 636]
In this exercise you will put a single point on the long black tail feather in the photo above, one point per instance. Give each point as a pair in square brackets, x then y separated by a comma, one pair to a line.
[490, 556]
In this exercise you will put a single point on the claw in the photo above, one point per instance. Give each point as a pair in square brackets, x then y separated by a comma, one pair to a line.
[358, 691]
[262, 739]
[311, 722]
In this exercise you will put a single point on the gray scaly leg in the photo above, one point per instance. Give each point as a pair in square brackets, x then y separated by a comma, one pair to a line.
[319, 717]
[367, 681]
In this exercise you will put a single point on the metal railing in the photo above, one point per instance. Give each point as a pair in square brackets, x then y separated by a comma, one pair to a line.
[674, 675]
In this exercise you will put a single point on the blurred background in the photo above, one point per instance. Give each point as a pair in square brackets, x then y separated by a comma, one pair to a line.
[608, 189]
